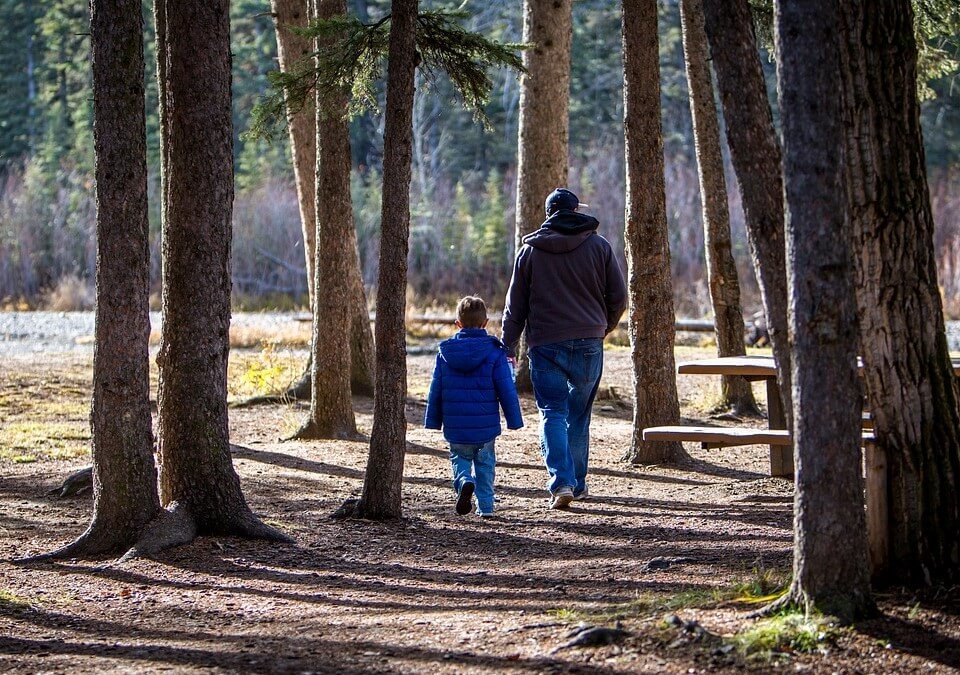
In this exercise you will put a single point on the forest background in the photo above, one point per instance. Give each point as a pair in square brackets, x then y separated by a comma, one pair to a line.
[464, 178]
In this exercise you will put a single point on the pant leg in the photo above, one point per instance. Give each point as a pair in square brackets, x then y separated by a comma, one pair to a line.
[485, 468]
[550, 387]
[461, 461]
[585, 368]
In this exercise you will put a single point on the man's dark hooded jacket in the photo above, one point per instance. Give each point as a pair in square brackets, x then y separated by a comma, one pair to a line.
[566, 284]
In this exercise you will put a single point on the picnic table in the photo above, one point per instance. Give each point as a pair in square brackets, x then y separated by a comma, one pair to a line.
[752, 369]
[759, 368]
[756, 368]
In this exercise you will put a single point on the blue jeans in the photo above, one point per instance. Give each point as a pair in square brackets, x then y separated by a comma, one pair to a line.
[565, 379]
[477, 464]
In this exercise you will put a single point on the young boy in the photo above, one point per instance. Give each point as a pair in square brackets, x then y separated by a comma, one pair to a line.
[471, 382]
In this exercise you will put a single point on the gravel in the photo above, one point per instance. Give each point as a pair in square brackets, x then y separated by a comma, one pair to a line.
[57, 332]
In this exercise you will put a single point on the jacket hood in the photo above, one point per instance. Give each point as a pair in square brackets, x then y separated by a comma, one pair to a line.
[469, 348]
[563, 231]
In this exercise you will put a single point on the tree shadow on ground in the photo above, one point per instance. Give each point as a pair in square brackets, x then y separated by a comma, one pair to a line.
[290, 461]
[915, 638]
[289, 654]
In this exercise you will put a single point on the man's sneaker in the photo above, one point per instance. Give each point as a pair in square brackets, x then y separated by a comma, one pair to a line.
[583, 494]
[485, 514]
[562, 498]
[465, 498]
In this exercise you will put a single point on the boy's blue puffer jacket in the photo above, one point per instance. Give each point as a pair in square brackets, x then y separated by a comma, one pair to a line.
[471, 381]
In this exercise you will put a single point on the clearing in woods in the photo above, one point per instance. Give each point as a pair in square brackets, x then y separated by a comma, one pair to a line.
[678, 554]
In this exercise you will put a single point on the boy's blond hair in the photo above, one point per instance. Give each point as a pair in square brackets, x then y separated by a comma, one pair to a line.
[471, 312]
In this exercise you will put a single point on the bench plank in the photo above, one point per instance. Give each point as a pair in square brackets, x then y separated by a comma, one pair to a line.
[727, 436]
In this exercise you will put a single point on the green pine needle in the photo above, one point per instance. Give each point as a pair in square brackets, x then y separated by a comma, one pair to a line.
[350, 58]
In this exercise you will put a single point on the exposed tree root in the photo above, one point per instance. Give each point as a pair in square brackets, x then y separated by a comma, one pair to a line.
[98, 540]
[785, 602]
[311, 432]
[173, 526]
[176, 526]
[748, 408]
[844, 608]
[77, 483]
[345, 510]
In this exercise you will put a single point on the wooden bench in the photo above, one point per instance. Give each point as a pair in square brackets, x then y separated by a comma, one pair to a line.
[781, 459]
[718, 437]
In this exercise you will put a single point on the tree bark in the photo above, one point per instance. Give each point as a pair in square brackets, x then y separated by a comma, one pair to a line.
[755, 153]
[301, 125]
[303, 143]
[735, 392]
[383, 480]
[331, 407]
[124, 476]
[648, 251]
[911, 390]
[830, 567]
[543, 151]
[197, 481]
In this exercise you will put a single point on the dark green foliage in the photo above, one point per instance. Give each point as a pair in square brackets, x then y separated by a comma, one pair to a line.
[46, 212]
[351, 56]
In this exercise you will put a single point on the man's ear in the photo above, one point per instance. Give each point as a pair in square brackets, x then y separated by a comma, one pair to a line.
[458, 324]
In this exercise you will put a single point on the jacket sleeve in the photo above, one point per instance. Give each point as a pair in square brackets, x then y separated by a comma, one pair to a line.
[615, 293]
[507, 393]
[518, 302]
[433, 418]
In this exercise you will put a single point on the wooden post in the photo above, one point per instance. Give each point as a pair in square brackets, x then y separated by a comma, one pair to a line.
[781, 456]
[875, 470]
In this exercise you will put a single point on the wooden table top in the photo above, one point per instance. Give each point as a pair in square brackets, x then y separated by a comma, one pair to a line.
[749, 366]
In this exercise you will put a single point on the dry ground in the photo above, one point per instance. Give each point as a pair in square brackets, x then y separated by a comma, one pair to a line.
[434, 592]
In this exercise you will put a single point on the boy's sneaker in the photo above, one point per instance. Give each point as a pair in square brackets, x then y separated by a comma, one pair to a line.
[561, 498]
[583, 494]
[465, 498]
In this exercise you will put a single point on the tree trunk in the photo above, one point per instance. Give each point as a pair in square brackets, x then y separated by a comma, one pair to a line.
[830, 568]
[124, 476]
[197, 481]
[755, 153]
[384, 475]
[291, 49]
[542, 158]
[303, 142]
[735, 392]
[648, 251]
[910, 385]
[331, 407]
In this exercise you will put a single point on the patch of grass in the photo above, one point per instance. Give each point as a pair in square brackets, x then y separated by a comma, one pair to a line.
[761, 585]
[11, 601]
[26, 441]
[267, 372]
[649, 604]
[764, 585]
[564, 614]
[785, 633]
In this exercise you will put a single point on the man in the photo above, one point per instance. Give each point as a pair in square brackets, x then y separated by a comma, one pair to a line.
[568, 292]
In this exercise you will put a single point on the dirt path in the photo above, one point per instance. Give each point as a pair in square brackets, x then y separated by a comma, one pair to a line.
[435, 592]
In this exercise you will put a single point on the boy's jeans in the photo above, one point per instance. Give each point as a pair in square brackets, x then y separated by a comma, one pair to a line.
[475, 463]
[565, 379]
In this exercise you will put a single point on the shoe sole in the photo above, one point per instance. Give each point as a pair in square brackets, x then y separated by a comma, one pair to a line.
[464, 505]
[561, 501]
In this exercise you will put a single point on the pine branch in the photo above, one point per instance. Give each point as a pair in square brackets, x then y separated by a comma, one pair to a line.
[350, 57]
